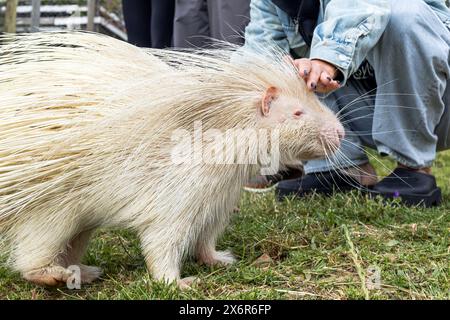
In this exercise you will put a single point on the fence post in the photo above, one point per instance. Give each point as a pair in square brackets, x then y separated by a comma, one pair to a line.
[35, 15]
[92, 6]
[10, 16]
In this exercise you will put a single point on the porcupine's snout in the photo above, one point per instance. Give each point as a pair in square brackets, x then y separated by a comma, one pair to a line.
[332, 134]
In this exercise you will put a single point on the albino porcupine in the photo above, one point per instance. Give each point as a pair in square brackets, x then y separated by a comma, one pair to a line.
[92, 130]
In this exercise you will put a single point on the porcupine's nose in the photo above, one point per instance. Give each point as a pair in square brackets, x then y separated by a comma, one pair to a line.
[332, 134]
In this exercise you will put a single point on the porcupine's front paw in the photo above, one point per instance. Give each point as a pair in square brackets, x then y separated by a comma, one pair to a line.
[213, 258]
[50, 276]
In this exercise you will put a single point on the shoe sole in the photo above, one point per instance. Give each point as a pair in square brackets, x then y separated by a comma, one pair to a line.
[432, 199]
[260, 190]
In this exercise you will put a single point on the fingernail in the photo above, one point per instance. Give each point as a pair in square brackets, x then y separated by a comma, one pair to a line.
[305, 72]
[313, 85]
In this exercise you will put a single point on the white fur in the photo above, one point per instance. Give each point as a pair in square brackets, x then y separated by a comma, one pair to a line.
[85, 143]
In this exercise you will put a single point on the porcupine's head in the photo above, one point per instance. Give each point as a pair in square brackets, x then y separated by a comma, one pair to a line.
[244, 90]
[306, 128]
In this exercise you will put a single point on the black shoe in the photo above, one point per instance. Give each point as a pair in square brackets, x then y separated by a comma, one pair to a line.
[320, 182]
[412, 187]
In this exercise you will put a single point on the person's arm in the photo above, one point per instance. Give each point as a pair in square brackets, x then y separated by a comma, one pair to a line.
[351, 28]
[265, 29]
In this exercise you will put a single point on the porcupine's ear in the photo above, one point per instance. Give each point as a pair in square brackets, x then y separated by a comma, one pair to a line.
[270, 94]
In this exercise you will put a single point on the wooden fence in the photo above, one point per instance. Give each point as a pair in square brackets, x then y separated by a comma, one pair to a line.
[35, 17]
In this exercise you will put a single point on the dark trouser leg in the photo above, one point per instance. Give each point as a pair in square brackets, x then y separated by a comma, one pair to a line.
[228, 19]
[162, 23]
[191, 24]
[137, 16]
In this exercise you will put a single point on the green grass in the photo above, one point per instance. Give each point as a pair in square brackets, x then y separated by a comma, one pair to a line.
[321, 249]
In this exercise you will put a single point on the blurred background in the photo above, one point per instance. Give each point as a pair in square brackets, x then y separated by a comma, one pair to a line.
[103, 16]
[146, 23]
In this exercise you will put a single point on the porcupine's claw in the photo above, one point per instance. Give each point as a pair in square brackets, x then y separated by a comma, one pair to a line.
[187, 283]
[90, 273]
[217, 258]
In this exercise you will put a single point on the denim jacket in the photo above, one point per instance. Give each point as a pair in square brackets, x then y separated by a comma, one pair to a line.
[346, 30]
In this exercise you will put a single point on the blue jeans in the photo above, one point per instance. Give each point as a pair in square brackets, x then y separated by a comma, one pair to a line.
[406, 114]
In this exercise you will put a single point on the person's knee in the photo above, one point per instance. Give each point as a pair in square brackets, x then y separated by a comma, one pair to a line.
[414, 31]
[406, 16]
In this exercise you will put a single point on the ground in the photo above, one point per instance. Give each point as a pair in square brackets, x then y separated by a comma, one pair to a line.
[315, 248]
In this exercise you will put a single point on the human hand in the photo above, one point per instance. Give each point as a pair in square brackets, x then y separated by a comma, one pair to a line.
[318, 74]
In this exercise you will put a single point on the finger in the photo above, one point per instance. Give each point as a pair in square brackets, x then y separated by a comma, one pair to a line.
[327, 84]
[313, 79]
[322, 88]
[333, 85]
[325, 79]
[303, 67]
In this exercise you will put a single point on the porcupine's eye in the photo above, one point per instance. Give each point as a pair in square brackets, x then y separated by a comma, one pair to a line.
[297, 114]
